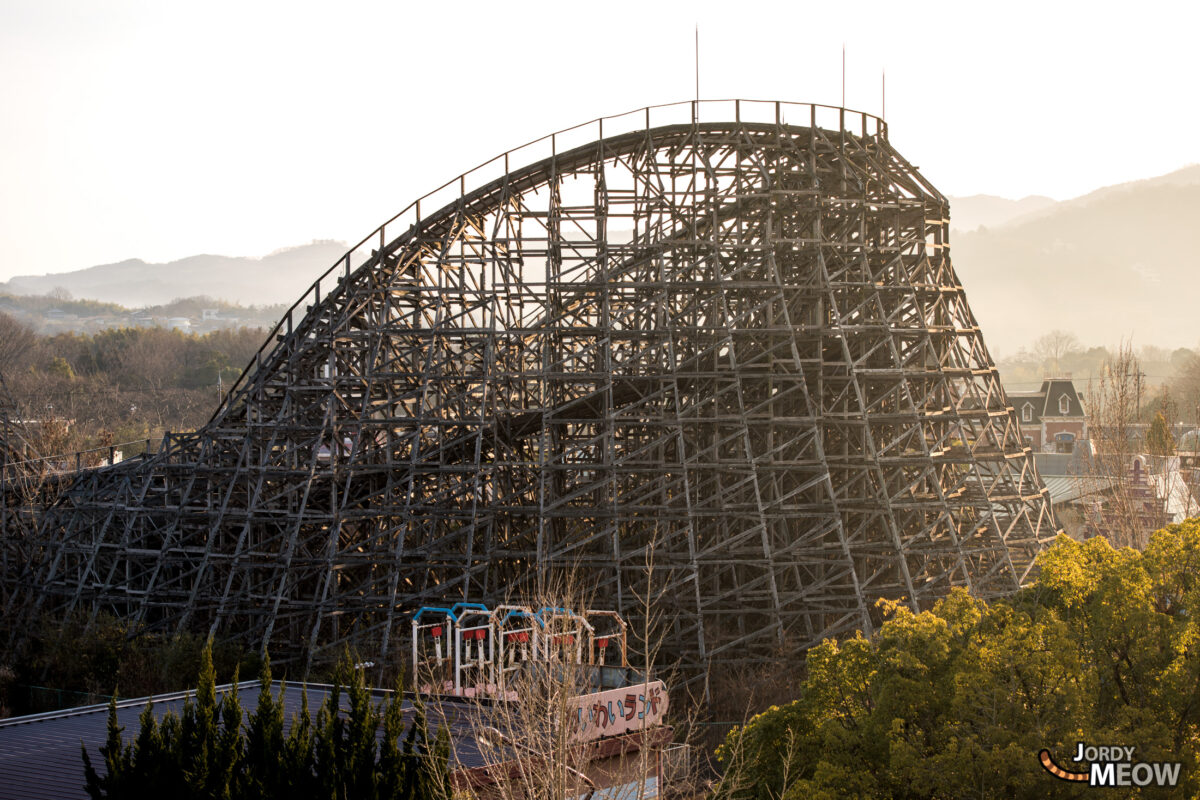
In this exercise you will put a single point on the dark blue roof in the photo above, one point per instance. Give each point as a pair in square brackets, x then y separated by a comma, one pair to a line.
[40, 754]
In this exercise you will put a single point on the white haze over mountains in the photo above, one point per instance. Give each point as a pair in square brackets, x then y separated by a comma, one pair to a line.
[988, 210]
[1117, 263]
[280, 277]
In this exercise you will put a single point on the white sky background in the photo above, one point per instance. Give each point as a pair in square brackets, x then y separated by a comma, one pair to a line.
[162, 129]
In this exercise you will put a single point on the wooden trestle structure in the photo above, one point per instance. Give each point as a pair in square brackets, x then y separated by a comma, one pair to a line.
[722, 338]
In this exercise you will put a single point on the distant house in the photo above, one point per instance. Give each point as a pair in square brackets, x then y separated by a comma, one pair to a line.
[1051, 419]
[211, 319]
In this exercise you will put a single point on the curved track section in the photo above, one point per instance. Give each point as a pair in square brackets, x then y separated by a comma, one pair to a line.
[733, 350]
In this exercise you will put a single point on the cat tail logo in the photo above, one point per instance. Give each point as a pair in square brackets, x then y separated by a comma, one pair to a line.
[1113, 766]
[1057, 771]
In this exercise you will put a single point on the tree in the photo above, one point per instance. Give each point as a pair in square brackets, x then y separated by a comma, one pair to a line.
[957, 701]
[527, 739]
[1113, 406]
[1186, 385]
[1159, 441]
[16, 341]
[61, 368]
[1052, 347]
[152, 357]
[207, 751]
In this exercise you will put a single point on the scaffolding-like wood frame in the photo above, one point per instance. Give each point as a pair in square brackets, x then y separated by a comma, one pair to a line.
[724, 338]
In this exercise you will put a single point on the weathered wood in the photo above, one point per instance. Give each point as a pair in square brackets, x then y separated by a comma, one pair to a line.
[737, 350]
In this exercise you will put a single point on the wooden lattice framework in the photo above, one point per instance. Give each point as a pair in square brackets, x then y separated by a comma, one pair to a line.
[724, 337]
[26, 488]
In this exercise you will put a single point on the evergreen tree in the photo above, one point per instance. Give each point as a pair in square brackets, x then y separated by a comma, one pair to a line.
[207, 752]
[116, 760]
[152, 759]
[229, 745]
[298, 758]
[393, 764]
[327, 744]
[263, 770]
[1159, 441]
[358, 750]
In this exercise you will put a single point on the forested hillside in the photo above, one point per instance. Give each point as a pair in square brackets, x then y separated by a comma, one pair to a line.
[79, 391]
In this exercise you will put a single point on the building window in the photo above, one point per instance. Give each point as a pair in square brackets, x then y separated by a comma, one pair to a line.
[1027, 412]
[1064, 404]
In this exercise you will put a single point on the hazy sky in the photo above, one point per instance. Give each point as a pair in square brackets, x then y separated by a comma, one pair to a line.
[162, 129]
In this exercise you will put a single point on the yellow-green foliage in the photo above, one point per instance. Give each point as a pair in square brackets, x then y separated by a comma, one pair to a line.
[1159, 441]
[957, 701]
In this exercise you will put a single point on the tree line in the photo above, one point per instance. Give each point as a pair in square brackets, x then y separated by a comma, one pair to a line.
[81, 391]
[212, 749]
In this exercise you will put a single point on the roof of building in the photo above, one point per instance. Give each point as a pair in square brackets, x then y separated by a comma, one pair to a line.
[1045, 401]
[1189, 442]
[1066, 488]
[1053, 463]
[40, 754]
[1028, 407]
[1056, 389]
[1077, 462]
[1170, 485]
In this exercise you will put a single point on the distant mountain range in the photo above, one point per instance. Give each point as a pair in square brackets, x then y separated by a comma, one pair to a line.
[989, 211]
[280, 277]
[1118, 262]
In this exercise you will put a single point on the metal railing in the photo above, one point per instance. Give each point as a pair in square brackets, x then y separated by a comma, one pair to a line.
[63, 462]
